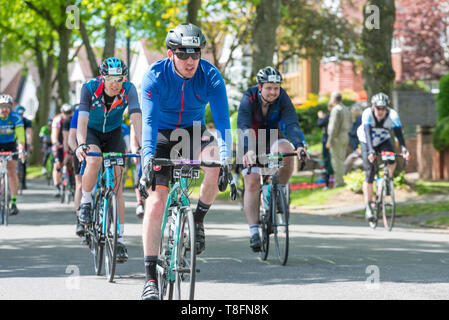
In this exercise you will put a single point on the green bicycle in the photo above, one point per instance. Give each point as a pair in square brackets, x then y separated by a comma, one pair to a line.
[176, 266]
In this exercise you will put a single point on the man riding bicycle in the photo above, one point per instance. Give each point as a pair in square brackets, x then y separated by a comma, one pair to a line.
[175, 92]
[261, 110]
[374, 137]
[57, 140]
[12, 138]
[99, 129]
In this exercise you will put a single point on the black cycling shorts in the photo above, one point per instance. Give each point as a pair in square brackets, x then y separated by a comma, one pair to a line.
[11, 146]
[111, 141]
[181, 145]
[368, 166]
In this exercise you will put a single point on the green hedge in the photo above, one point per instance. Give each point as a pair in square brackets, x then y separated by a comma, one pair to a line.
[441, 133]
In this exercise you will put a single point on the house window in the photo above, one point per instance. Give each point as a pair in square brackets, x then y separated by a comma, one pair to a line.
[291, 65]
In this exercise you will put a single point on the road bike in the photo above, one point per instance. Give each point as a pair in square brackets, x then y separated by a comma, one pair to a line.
[5, 197]
[274, 217]
[176, 267]
[385, 200]
[103, 232]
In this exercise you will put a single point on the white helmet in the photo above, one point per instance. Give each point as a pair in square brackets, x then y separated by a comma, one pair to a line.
[66, 108]
[6, 99]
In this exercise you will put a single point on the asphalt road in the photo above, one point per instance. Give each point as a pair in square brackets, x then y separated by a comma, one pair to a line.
[330, 258]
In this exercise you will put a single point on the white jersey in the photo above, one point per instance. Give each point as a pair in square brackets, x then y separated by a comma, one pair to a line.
[380, 132]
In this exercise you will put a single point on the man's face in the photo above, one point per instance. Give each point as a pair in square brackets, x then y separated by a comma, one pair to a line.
[5, 109]
[113, 85]
[186, 63]
[380, 112]
[270, 91]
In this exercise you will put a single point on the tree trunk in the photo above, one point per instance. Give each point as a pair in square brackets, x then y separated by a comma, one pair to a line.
[90, 53]
[378, 73]
[110, 34]
[193, 6]
[63, 61]
[45, 69]
[268, 16]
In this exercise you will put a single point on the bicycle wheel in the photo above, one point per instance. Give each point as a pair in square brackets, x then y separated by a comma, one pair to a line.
[163, 263]
[185, 269]
[4, 199]
[264, 223]
[111, 235]
[388, 203]
[96, 243]
[280, 214]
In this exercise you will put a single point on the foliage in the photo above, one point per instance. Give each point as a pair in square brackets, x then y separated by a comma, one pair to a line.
[441, 132]
[354, 180]
[422, 29]
[411, 85]
[440, 137]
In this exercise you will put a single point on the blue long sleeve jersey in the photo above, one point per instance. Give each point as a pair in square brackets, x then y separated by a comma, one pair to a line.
[171, 102]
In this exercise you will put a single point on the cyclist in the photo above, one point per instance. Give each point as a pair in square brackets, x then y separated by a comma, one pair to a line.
[262, 108]
[99, 129]
[12, 138]
[175, 92]
[72, 145]
[45, 140]
[28, 125]
[57, 141]
[374, 136]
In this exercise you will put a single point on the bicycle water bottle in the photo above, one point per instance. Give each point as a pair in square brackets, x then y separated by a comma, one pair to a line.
[266, 191]
[379, 182]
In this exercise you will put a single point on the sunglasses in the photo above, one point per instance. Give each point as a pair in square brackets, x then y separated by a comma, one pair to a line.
[113, 78]
[381, 108]
[5, 106]
[185, 55]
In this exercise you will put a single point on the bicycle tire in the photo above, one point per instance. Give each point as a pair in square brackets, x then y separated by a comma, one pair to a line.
[280, 214]
[185, 270]
[111, 236]
[96, 241]
[4, 199]
[388, 204]
[165, 286]
[264, 222]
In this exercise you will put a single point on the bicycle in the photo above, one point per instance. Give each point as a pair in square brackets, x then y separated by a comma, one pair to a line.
[275, 216]
[385, 201]
[67, 189]
[103, 233]
[176, 267]
[5, 156]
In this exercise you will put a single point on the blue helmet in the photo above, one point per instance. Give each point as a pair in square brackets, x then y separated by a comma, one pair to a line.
[113, 67]
[20, 109]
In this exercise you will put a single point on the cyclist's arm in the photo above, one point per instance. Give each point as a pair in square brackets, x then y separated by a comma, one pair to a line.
[220, 114]
[72, 139]
[135, 114]
[20, 134]
[150, 115]
[83, 115]
[244, 123]
[369, 142]
[290, 118]
[397, 127]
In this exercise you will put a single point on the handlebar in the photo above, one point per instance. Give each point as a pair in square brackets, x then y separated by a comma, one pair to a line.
[105, 155]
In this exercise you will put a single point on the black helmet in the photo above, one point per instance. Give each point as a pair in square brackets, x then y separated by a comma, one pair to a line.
[185, 35]
[380, 99]
[113, 67]
[269, 74]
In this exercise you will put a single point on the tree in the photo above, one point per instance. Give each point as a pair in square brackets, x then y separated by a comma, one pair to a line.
[193, 7]
[313, 30]
[375, 46]
[421, 29]
[266, 23]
